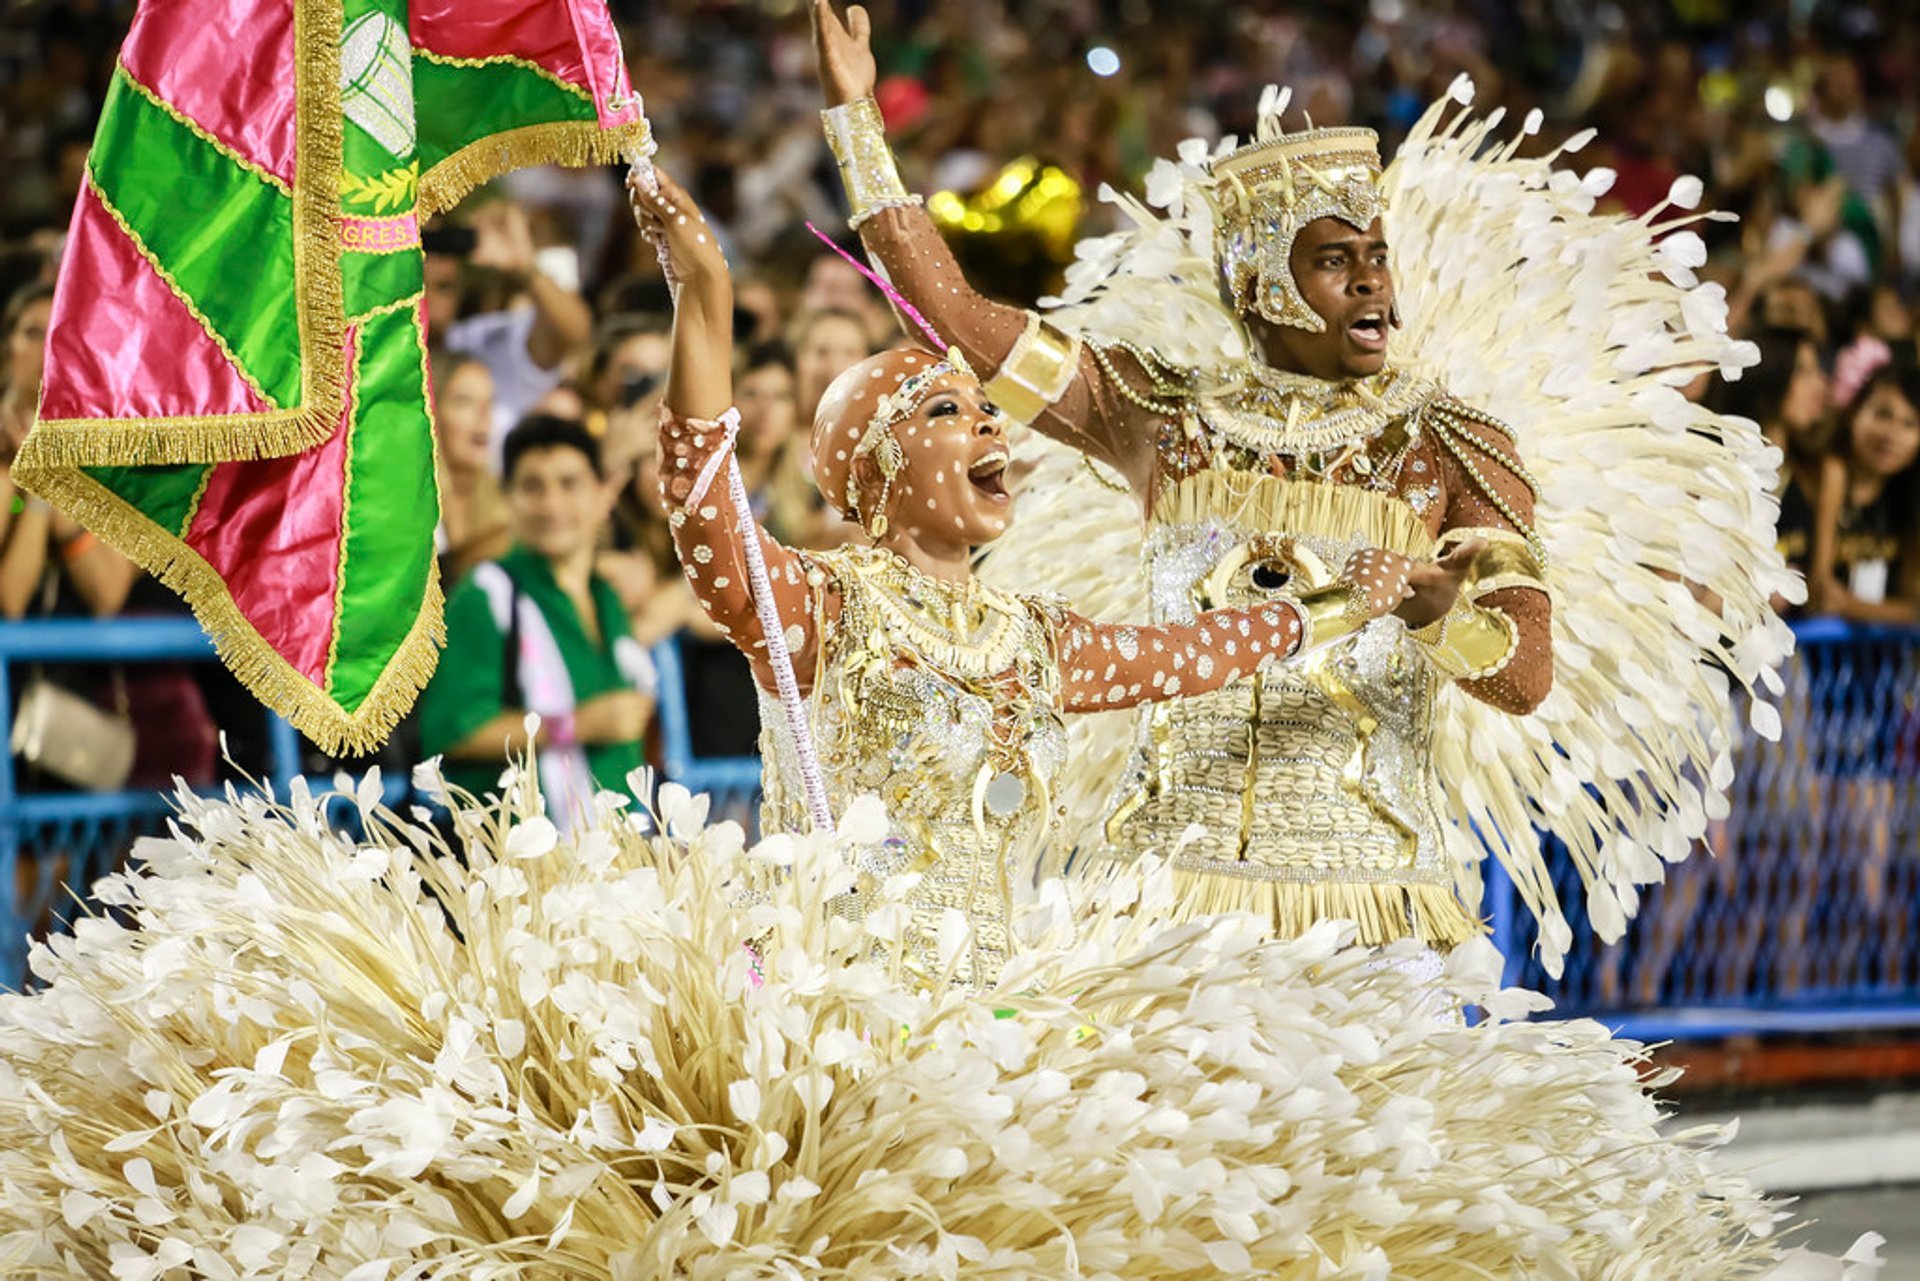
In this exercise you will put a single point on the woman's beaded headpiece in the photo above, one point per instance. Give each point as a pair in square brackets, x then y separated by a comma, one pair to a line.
[899, 404]
[895, 407]
[1267, 191]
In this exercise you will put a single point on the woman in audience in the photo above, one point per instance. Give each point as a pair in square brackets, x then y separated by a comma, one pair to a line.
[1863, 565]
[96, 577]
[473, 513]
[826, 343]
[23, 338]
[1866, 550]
[1786, 393]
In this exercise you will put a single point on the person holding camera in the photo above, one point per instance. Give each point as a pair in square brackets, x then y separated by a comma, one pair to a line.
[541, 321]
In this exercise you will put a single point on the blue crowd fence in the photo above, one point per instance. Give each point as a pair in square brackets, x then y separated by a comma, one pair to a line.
[1800, 911]
[1805, 916]
[55, 844]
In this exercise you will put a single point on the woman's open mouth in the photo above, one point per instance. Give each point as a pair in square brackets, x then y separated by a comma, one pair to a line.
[989, 475]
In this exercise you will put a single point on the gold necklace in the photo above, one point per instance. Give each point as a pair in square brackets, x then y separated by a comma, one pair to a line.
[973, 637]
[1271, 411]
[931, 617]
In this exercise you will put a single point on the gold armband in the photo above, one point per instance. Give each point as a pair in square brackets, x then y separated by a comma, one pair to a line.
[1469, 642]
[1508, 560]
[1036, 372]
[857, 136]
[1329, 613]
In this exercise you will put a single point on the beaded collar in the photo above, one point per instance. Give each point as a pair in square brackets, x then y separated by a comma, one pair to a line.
[1269, 411]
[967, 630]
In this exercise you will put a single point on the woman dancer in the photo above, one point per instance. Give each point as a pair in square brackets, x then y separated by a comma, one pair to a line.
[922, 684]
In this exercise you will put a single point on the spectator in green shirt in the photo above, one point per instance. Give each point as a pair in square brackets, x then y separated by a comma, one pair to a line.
[538, 631]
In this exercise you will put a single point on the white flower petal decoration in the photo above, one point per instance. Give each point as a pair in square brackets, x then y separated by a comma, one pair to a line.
[533, 837]
[1686, 192]
[433, 1078]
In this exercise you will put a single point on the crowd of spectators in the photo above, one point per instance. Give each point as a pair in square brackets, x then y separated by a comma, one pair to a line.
[546, 307]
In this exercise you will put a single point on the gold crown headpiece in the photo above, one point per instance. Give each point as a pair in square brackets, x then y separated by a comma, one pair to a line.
[1268, 190]
[897, 406]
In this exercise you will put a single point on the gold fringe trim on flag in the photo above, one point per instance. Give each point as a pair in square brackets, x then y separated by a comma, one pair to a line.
[263, 670]
[319, 293]
[62, 443]
[1380, 911]
[572, 143]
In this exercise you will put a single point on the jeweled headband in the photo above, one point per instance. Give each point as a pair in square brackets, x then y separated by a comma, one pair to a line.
[897, 406]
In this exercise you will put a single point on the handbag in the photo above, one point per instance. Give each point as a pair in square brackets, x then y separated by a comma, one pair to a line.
[65, 736]
[59, 733]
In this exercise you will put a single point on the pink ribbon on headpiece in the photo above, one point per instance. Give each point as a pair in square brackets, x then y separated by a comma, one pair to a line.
[1854, 367]
[893, 295]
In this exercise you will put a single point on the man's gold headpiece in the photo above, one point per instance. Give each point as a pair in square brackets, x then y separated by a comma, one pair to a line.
[1267, 191]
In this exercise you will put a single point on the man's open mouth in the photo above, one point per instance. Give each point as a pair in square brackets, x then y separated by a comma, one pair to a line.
[989, 475]
[1369, 331]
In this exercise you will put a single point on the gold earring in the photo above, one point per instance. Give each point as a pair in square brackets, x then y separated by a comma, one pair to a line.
[890, 458]
[877, 523]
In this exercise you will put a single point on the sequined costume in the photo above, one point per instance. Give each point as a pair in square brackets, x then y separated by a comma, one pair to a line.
[944, 700]
[1313, 784]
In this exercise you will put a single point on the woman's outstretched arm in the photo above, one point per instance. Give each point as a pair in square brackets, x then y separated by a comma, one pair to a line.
[698, 423]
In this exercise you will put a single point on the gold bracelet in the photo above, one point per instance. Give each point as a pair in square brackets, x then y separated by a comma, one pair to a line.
[857, 136]
[1331, 612]
[1508, 560]
[1037, 372]
[1469, 642]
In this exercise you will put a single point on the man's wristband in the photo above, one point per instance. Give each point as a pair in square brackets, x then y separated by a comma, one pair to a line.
[857, 136]
[1329, 613]
[1468, 642]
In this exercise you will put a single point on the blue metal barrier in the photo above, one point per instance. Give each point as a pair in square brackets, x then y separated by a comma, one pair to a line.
[54, 845]
[732, 782]
[1807, 920]
[1806, 916]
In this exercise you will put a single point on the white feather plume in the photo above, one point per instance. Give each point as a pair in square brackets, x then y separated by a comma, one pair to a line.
[299, 1055]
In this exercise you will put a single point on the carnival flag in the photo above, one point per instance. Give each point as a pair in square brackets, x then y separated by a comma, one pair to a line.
[235, 391]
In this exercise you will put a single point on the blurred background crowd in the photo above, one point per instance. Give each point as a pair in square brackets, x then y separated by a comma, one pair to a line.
[1800, 115]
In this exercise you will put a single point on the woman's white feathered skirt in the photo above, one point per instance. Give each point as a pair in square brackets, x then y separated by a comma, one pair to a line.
[284, 1053]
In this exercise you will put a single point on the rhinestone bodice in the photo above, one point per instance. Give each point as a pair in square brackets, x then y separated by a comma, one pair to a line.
[960, 735]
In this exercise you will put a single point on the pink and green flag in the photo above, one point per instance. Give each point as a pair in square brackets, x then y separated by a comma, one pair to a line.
[235, 391]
